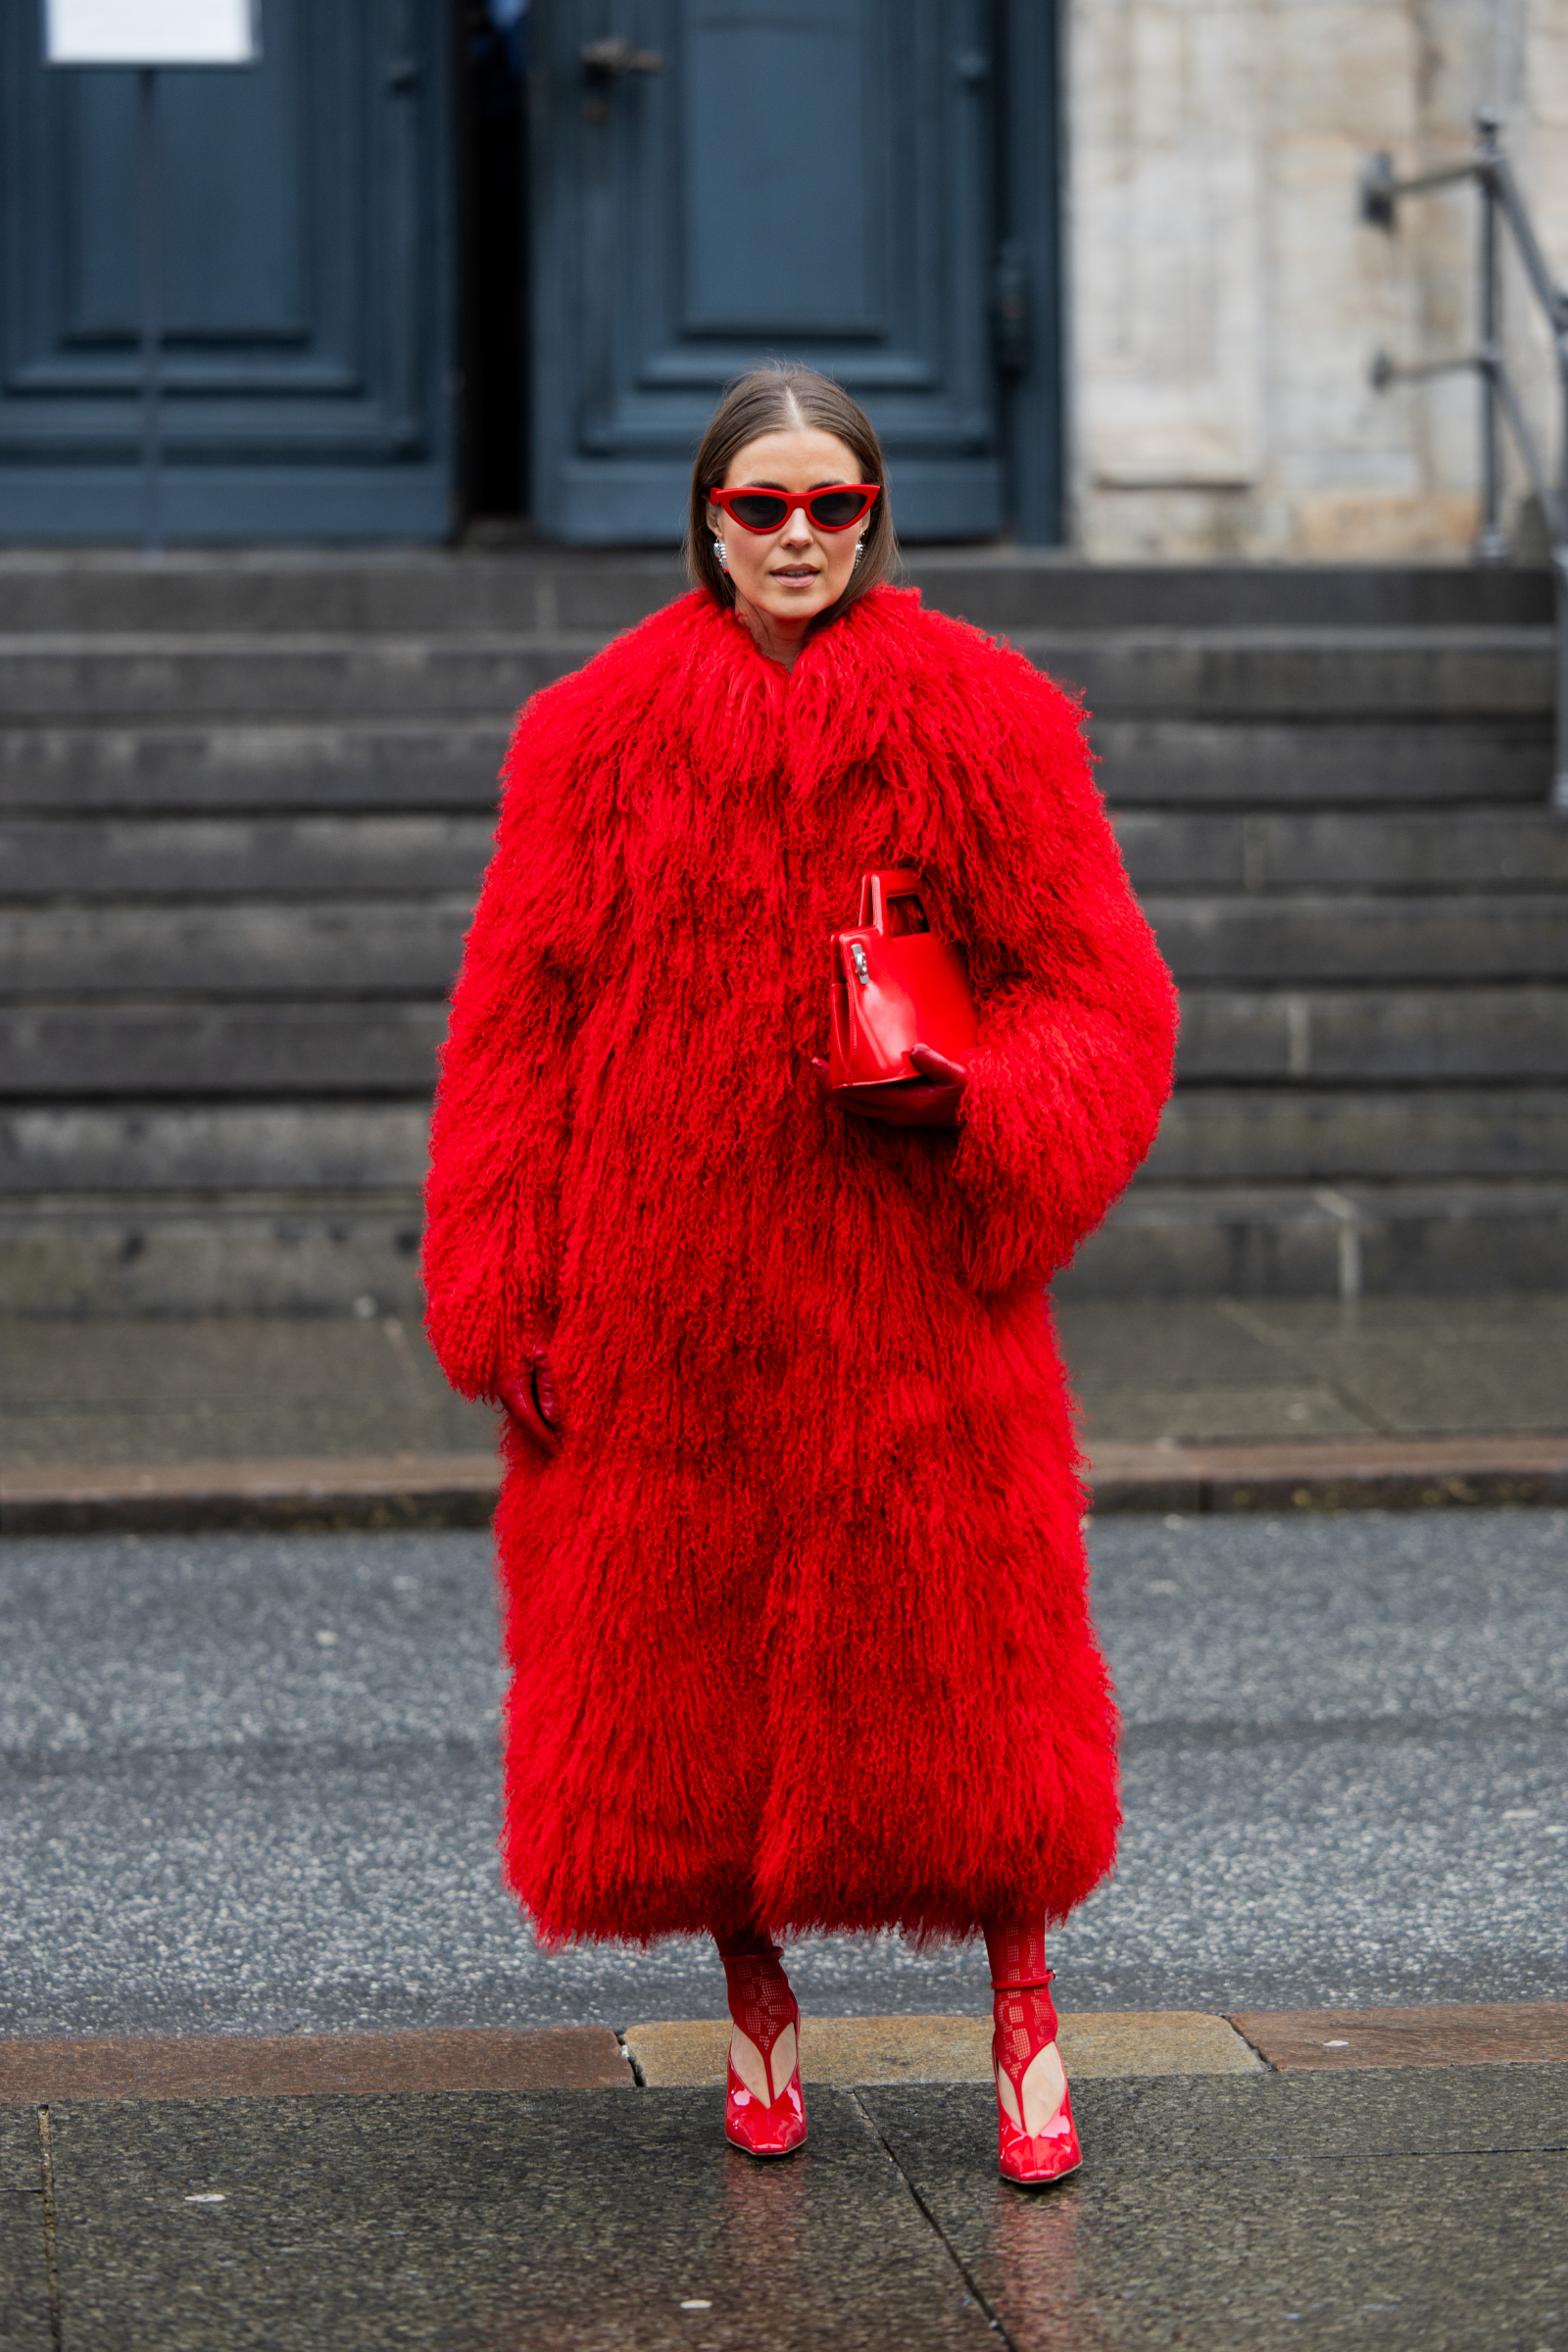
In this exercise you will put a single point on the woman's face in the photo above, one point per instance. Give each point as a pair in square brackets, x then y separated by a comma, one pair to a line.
[797, 570]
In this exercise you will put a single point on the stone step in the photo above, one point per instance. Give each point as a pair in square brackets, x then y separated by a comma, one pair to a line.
[115, 856]
[547, 588]
[1334, 1037]
[299, 1154]
[1440, 938]
[454, 762]
[240, 948]
[1374, 1036]
[1322, 766]
[352, 677]
[1314, 675]
[1007, 589]
[118, 856]
[250, 1252]
[1465, 850]
[1304, 1135]
[410, 591]
[254, 763]
[1436, 1240]
[218, 1053]
[1209, 1133]
[409, 946]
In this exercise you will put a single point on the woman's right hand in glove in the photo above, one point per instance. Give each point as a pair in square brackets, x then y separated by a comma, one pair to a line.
[529, 1397]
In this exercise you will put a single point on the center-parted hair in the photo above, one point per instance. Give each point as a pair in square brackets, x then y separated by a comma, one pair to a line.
[784, 399]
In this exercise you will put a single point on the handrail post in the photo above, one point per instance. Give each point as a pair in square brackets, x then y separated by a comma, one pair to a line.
[1557, 535]
[1560, 778]
[1492, 543]
[1502, 206]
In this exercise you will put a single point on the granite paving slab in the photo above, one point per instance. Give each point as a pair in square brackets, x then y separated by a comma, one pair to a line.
[947, 2049]
[1418, 2210]
[1435, 2033]
[1426, 1365]
[19, 2146]
[1206, 1370]
[24, 2319]
[143, 1390]
[301, 2064]
[586, 2220]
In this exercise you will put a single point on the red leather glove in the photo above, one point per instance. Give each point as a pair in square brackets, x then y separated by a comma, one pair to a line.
[932, 1106]
[529, 1397]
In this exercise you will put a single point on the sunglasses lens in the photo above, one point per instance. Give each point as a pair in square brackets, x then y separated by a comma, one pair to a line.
[836, 510]
[759, 511]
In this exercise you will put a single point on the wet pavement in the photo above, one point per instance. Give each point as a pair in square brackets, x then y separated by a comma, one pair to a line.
[1188, 1370]
[1418, 2208]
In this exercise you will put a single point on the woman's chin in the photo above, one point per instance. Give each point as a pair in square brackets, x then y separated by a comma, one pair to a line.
[783, 602]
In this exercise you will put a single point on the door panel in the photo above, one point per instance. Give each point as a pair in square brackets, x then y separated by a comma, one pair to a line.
[785, 250]
[306, 276]
[809, 178]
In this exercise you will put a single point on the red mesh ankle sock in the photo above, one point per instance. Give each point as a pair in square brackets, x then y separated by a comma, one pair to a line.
[1024, 2012]
[761, 2001]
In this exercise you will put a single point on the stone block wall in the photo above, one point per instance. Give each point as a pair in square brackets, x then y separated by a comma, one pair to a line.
[1225, 299]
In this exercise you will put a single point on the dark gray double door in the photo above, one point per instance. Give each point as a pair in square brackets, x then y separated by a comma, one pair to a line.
[847, 182]
[713, 182]
[307, 283]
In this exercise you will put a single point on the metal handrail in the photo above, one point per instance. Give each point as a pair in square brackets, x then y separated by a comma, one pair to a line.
[1502, 203]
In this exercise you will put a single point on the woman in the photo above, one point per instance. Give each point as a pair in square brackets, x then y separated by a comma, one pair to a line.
[795, 1588]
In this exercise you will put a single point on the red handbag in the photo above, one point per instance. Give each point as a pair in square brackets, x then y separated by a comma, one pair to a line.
[897, 983]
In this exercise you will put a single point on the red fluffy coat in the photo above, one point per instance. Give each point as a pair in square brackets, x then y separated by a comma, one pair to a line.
[796, 1619]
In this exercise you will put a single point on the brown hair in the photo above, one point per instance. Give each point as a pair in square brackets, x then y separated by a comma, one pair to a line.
[781, 399]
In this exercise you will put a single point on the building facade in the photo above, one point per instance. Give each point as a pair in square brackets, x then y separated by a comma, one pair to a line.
[1228, 300]
[1096, 266]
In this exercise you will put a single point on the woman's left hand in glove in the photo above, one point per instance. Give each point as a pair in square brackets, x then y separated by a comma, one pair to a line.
[529, 1397]
[932, 1105]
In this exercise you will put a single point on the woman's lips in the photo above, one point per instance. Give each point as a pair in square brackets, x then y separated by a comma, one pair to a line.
[796, 571]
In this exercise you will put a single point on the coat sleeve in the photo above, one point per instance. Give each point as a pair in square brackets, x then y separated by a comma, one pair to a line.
[503, 1110]
[1077, 1008]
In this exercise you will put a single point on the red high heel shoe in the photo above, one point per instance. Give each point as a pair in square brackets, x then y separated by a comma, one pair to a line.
[1036, 2139]
[765, 2108]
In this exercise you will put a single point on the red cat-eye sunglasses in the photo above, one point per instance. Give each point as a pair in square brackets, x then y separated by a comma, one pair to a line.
[834, 507]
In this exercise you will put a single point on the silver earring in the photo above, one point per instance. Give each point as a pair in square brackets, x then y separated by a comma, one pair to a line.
[859, 549]
[723, 560]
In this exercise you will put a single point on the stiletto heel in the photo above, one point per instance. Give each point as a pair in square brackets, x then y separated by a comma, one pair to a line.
[765, 2108]
[1036, 2139]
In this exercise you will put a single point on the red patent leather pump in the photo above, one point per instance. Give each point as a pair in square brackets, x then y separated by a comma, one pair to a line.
[1036, 2140]
[765, 2108]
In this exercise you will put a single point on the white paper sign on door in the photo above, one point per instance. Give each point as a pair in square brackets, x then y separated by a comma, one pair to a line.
[150, 33]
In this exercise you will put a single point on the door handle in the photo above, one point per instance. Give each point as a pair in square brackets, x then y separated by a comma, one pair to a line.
[607, 61]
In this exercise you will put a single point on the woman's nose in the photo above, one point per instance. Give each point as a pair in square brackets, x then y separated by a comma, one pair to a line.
[797, 530]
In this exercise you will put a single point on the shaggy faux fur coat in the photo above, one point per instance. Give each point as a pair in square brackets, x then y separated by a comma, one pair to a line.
[797, 1618]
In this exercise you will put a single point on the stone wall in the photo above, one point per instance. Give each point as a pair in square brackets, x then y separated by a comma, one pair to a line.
[1225, 299]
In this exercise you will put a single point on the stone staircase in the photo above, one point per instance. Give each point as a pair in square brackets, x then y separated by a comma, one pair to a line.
[245, 801]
